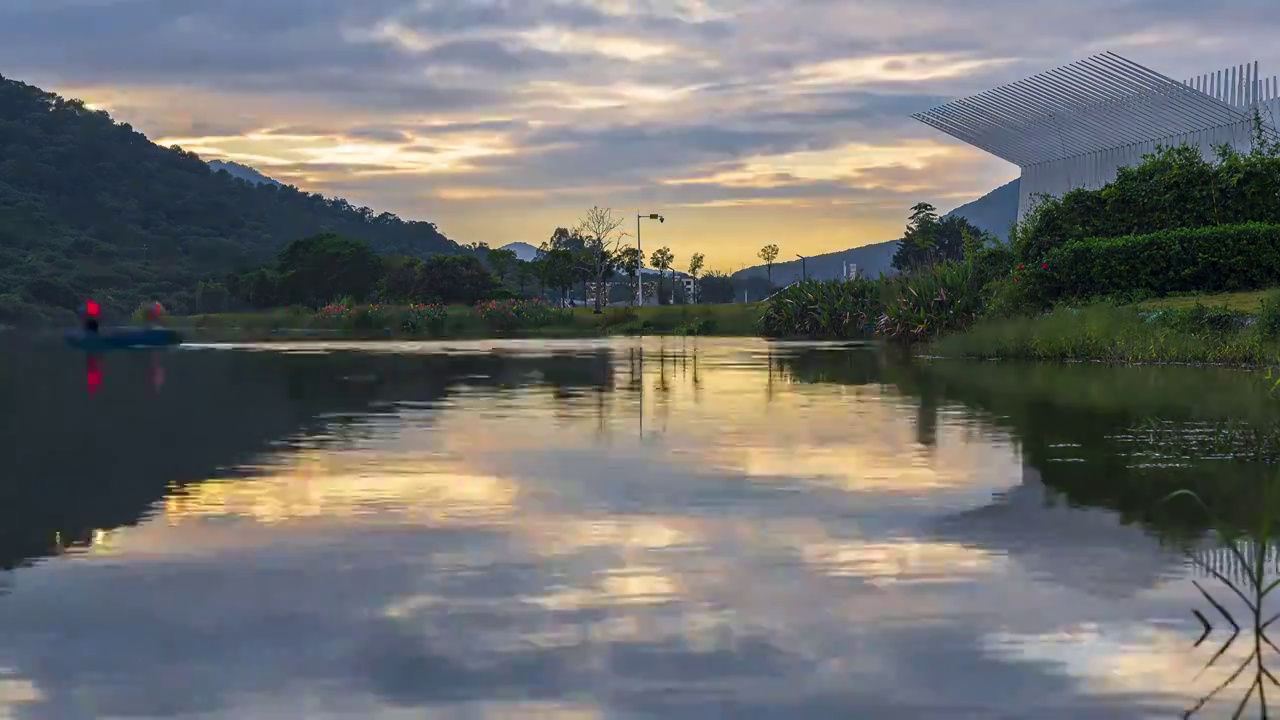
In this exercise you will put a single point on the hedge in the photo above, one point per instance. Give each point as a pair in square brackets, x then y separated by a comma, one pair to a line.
[1223, 258]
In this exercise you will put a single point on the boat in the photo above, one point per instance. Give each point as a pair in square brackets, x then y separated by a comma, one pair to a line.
[123, 338]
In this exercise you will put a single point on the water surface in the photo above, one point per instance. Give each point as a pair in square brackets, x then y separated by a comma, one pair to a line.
[606, 529]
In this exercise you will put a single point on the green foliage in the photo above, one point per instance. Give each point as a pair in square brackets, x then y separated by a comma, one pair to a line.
[1222, 258]
[824, 309]
[427, 319]
[316, 269]
[509, 315]
[934, 299]
[1114, 334]
[1173, 188]
[928, 239]
[374, 316]
[1267, 320]
[940, 298]
[501, 263]
[90, 207]
[716, 287]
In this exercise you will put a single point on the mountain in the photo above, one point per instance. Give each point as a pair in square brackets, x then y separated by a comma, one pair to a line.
[870, 259]
[993, 212]
[244, 172]
[91, 208]
[523, 250]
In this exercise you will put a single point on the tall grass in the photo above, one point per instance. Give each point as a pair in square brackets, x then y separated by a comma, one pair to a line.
[1123, 334]
[458, 321]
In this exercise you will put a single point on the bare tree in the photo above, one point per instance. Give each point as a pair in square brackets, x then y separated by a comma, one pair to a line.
[768, 254]
[599, 230]
[696, 262]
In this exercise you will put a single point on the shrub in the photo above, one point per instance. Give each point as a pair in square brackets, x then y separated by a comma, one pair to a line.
[614, 317]
[423, 318]
[1212, 259]
[824, 308]
[1268, 317]
[333, 315]
[1173, 188]
[508, 315]
[371, 317]
[937, 299]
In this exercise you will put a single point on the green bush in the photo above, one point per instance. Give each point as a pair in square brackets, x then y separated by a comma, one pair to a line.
[937, 299]
[824, 308]
[1267, 322]
[371, 317]
[1224, 258]
[428, 318]
[1173, 188]
[509, 315]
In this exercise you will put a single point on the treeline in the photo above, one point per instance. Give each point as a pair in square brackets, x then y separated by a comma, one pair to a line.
[89, 206]
[328, 267]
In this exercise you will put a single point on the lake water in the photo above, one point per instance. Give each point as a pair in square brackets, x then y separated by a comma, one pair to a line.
[670, 528]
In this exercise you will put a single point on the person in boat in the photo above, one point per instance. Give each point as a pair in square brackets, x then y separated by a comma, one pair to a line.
[89, 317]
[154, 313]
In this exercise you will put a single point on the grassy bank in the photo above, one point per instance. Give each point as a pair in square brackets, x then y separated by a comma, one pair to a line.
[457, 321]
[1170, 332]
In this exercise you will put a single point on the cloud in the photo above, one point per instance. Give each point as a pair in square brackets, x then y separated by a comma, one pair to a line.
[554, 96]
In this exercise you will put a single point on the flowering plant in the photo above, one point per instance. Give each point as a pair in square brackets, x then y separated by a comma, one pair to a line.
[512, 314]
[419, 318]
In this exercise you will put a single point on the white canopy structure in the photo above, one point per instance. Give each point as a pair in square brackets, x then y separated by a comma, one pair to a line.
[1075, 126]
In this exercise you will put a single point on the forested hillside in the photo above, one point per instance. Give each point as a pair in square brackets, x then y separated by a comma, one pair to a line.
[89, 206]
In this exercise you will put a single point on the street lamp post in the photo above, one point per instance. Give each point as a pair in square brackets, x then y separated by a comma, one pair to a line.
[640, 253]
[804, 270]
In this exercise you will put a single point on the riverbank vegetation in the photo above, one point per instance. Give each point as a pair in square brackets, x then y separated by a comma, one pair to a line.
[1120, 273]
[492, 318]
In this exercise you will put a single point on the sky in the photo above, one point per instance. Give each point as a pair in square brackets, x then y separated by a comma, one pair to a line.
[744, 122]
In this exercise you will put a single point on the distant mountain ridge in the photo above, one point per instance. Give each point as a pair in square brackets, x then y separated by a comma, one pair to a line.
[994, 212]
[244, 172]
[523, 250]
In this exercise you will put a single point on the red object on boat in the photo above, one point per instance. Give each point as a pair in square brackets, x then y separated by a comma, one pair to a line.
[92, 309]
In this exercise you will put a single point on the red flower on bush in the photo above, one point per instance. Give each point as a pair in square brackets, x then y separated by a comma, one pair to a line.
[1019, 266]
[1044, 266]
[1015, 278]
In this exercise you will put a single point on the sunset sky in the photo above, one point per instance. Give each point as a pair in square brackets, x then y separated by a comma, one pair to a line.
[743, 121]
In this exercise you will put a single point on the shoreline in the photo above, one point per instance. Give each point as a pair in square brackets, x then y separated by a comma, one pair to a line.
[464, 323]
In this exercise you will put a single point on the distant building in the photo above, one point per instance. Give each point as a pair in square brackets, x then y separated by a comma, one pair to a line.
[1076, 126]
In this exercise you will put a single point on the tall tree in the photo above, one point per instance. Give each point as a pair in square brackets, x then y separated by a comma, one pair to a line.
[601, 239]
[769, 254]
[716, 287]
[661, 260]
[695, 266]
[324, 267]
[929, 239]
[500, 262]
[558, 267]
[524, 272]
[629, 259]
